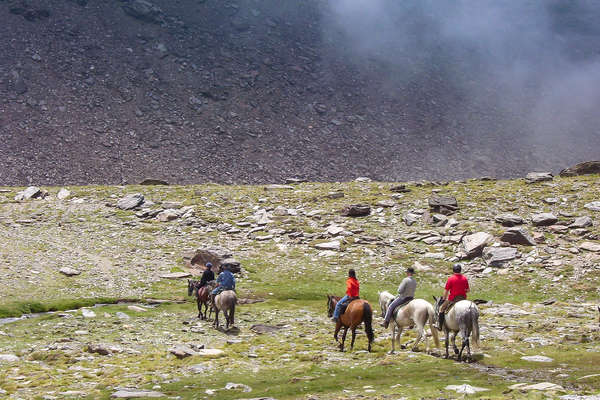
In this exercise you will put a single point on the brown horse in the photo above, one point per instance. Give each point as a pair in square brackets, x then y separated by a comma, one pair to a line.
[358, 311]
[202, 297]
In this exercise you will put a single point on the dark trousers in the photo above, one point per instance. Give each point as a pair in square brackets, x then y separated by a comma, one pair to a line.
[398, 301]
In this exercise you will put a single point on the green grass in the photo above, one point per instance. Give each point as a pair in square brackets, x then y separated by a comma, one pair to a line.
[16, 309]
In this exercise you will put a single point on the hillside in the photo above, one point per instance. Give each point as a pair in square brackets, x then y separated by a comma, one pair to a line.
[253, 91]
[536, 284]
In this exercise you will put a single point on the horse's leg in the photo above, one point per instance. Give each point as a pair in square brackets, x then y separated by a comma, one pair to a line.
[454, 342]
[199, 304]
[353, 337]
[216, 323]
[337, 330]
[399, 336]
[447, 342]
[420, 334]
[393, 339]
[343, 338]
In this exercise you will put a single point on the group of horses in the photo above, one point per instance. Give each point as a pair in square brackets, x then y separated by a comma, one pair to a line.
[224, 301]
[462, 318]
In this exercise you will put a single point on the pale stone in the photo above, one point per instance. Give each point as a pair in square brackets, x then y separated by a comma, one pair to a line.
[594, 206]
[176, 275]
[87, 313]
[496, 256]
[474, 244]
[8, 358]
[537, 358]
[466, 389]
[134, 393]
[590, 246]
[69, 271]
[63, 194]
[333, 245]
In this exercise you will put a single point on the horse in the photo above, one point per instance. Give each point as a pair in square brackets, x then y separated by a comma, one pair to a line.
[463, 317]
[202, 297]
[225, 301]
[357, 311]
[417, 312]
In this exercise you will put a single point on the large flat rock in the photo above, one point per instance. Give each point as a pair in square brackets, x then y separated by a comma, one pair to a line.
[474, 244]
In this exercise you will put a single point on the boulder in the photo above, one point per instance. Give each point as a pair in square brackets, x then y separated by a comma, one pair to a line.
[474, 244]
[333, 245]
[32, 192]
[144, 10]
[400, 189]
[590, 246]
[176, 275]
[334, 230]
[534, 177]
[496, 256]
[153, 182]
[543, 219]
[63, 194]
[98, 349]
[446, 205]
[508, 219]
[386, 203]
[217, 256]
[584, 168]
[167, 215]
[182, 352]
[69, 271]
[135, 393]
[131, 201]
[411, 218]
[518, 235]
[356, 210]
[581, 222]
[594, 206]
[8, 358]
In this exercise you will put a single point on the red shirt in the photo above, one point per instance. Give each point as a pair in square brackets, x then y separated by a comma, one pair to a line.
[457, 285]
[352, 287]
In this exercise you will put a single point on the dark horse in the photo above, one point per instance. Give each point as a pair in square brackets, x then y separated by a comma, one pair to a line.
[202, 297]
[358, 311]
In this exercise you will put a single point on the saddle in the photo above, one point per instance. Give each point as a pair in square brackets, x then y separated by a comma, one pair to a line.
[346, 303]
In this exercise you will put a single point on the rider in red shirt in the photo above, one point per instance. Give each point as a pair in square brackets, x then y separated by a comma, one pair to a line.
[352, 289]
[456, 289]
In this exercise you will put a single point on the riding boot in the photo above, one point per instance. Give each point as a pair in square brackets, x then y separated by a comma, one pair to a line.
[440, 325]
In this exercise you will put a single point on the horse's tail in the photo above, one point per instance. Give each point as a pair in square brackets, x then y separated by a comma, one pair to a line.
[475, 327]
[434, 331]
[368, 319]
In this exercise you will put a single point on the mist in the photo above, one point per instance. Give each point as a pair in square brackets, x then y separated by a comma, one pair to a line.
[515, 70]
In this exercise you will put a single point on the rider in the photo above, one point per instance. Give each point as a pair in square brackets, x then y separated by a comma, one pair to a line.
[207, 275]
[225, 281]
[406, 292]
[352, 289]
[456, 289]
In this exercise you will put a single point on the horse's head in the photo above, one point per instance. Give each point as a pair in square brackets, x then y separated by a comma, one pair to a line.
[191, 286]
[330, 305]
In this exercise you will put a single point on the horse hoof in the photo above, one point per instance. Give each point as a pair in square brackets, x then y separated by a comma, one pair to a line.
[403, 346]
[391, 352]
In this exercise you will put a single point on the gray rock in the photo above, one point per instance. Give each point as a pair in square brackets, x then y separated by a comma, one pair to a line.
[411, 218]
[534, 177]
[474, 244]
[581, 222]
[400, 189]
[335, 195]
[98, 349]
[130, 201]
[8, 358]
[63, 194]
[238, 386]
[584, 168]
[356, 210]
[518, 235]
[182, 352]
[153, 182]
[496, 256]
[122, 315]
[446, 205]
[88, 313]
[69, 271]
[144, 10]
[32, 192]
[537, 358]
[594, 206]
[333, 245]
[167, 215]
[386, 203]
[508, 219]
[590, 246]
[135, 393]
[543, 219]
[176, 275]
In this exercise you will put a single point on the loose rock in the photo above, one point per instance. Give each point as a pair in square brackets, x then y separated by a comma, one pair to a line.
[518, 235]
[130, 201]
[474, 244]
[356, 210]
[496, 256]
[534, 177]
[543, 219]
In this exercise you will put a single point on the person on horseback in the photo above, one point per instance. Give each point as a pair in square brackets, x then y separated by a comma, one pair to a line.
[406, 292]
[456, 290]
[207, 276]
[352, 290]
[225, 281]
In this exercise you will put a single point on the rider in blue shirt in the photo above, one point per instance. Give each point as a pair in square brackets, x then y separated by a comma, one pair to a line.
[225, 281]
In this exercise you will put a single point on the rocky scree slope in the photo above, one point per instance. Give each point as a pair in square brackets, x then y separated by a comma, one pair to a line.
[239, 91]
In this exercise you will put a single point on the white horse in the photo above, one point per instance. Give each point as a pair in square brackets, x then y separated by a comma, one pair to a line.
[416, 313]
[463, 317]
